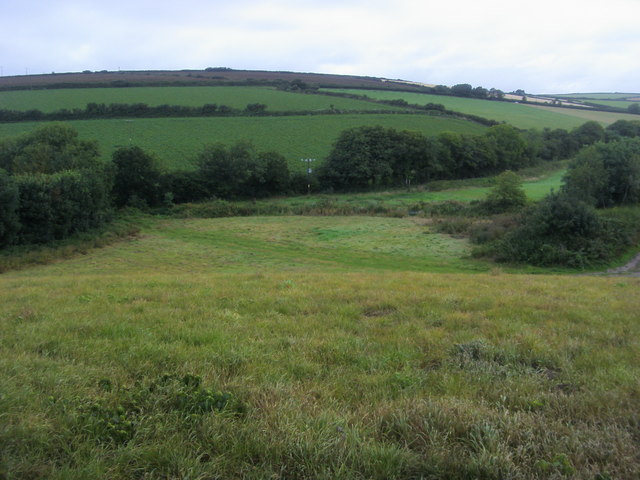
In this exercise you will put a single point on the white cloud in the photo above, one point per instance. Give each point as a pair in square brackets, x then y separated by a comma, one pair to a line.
[542, 46]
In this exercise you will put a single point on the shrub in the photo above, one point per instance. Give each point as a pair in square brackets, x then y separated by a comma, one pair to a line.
[560, 230]
[9, 200]
[507, 195]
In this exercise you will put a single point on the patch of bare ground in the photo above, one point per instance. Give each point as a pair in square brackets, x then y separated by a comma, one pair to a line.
[630, 269]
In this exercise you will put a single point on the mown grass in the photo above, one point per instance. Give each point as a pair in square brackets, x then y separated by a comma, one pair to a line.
[235, 97]
[177, 141]
[286, 243]
[517, 114]
[152, 368]
[467, 190]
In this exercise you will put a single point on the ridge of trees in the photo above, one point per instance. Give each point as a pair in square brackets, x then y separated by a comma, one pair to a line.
[52, 184]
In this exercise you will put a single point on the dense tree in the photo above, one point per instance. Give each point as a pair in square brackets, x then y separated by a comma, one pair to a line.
[9, 200]
[509, 147]
[559, 230]
[48, 149]
[361, 158]
[606, 174]
[241, 171]
[462, 90]
[224, 170]
[623, 128]
[137, 178]
[507, 194]
[588, 133]
[268, 175]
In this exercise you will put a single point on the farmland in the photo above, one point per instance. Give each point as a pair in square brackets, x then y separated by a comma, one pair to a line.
[518, 114]
[329, 345]
[234, 97]
[176, 141]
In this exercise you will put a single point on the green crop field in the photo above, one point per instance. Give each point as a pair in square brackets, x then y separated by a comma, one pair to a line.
[313, 347]
[176, 141]
[612, 103]
[517, 114]
[585, 115]
[595, 96]
[235, 97]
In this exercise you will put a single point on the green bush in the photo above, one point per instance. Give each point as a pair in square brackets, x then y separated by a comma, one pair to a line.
[507, 195]
[560, 230]
[9, 200]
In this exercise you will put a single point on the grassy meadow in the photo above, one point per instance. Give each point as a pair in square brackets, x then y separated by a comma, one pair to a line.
[535, 186]
[307, 347]
[517, 114]
[313, 347]
[235, 97]
[176, 141]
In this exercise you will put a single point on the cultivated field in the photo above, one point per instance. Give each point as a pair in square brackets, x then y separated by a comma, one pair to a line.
[517, 114]
[176, 141]
[305, 347]
[235, 97]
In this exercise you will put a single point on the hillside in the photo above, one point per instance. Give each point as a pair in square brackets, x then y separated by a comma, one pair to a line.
[518, 114]
[311, 348]
[195, 77]
[176, 141]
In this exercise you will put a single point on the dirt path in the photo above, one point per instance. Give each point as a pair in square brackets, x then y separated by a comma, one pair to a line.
[631, 269]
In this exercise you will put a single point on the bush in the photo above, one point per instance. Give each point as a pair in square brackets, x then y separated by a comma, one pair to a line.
[507, 195]
[137, 178]
[605, 175]
[560, 230]
[9, 201]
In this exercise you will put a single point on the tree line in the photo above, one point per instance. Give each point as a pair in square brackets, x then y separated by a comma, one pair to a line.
[52, 184]
[577, 226]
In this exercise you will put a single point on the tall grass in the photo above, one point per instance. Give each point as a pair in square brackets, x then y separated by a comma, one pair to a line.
[214, 374]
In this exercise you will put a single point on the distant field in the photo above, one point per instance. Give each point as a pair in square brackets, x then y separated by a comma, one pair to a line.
[613, 103]
[177, 141]
[517, 114]
[606, 118]
[235, 97]
[596, 96]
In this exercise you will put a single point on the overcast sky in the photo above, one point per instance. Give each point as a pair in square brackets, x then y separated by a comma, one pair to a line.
[540, 46]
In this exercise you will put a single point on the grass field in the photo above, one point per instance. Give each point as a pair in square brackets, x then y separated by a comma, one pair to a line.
[613, 103]
[235, 97]
[310, 348]
[519, 115]
[606, 118]
[176, 141]
[596, 96]
[535, 189]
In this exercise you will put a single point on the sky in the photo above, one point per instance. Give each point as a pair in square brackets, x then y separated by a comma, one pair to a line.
[541, 46]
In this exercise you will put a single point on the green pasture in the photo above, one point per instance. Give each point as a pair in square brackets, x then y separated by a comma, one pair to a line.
[176, 141]
[585, 115]
[517, 114]
[309, 348]
[247, 244]
[595, 96]
[613, 103]
[235, 97]
[535, 188]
